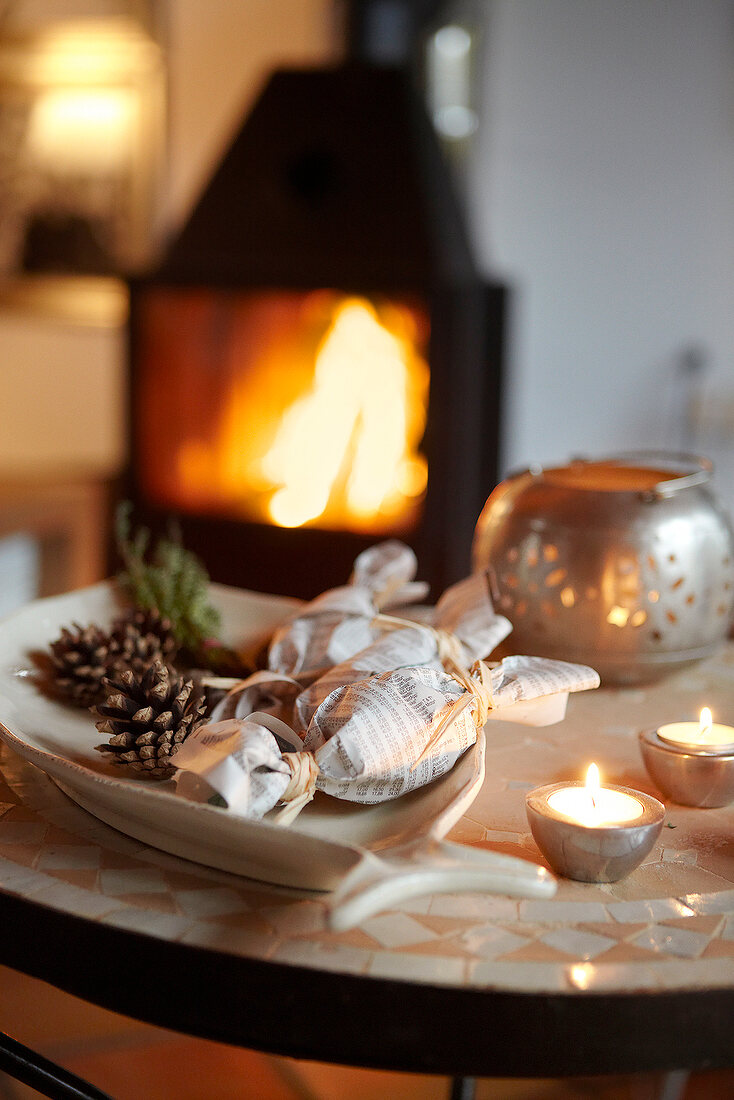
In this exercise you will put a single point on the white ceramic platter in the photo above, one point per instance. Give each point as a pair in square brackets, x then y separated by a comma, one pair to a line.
[329, 841]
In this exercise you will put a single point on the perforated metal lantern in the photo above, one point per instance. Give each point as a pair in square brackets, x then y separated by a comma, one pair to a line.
[623, 563]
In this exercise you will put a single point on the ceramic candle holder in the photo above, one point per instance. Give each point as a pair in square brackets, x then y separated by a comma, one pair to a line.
[689, 774]
[587, 852]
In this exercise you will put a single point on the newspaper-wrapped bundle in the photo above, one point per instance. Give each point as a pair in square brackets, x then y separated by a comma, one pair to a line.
[271, 692]
[465, 628]
[250, 766]
[376, 739]
[342, 621]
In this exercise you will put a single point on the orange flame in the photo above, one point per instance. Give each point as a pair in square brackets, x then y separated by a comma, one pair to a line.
[322, 421]
[355, 432]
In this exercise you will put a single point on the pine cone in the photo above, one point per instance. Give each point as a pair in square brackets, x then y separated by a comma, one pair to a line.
[80, 659]
[139, 638]
[147, 717]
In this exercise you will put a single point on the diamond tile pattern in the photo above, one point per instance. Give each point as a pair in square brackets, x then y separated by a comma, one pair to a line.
[670, 924]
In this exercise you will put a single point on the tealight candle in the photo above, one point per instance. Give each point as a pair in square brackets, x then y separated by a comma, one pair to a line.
[692, 762]
[592, 804]
[705, 734]
[593, 833]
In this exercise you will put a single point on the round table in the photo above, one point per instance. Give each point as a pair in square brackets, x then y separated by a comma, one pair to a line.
[613, 978]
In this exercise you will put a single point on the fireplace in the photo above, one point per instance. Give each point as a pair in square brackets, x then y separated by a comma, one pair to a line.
[315, 365]
[317, 415]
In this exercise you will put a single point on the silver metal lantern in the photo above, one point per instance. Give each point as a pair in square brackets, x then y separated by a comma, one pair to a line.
[623, 563]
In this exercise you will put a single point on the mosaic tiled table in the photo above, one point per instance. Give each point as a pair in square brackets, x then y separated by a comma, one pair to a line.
[629, 976]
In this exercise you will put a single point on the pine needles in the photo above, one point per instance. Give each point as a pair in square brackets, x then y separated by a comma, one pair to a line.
[166, 578]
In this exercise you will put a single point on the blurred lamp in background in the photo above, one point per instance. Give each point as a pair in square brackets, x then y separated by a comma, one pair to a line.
[81, 123]
[449, 81]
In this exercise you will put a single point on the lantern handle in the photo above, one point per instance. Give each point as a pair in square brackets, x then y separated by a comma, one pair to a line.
[699, 475]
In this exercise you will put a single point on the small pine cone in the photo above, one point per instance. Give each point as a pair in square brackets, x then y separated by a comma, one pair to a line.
[80, 659]
[147, 716]
[140, 638]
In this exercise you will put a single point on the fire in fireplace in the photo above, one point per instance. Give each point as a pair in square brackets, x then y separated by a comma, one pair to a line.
[316, 362]
[317, 415]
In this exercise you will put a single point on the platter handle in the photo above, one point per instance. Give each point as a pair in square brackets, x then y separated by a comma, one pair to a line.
[441, 867]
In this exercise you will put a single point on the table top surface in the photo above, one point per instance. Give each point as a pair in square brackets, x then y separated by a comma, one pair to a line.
[666, 930]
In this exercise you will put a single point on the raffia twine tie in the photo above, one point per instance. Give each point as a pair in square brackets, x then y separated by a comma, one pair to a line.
[304, 773]
[382, 596]
[394, 622]
[449, 648]
[301, 787]
[478, 682]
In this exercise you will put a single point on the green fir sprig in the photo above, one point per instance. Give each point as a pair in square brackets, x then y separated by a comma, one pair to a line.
[169, 579]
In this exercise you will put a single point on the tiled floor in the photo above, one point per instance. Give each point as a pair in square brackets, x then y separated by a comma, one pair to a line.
[132, 1061]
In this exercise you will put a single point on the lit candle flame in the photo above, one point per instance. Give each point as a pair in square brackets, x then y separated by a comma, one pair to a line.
[593, 784]
[705, 722]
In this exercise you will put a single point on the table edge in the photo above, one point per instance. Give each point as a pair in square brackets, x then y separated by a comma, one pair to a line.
[292, 1010]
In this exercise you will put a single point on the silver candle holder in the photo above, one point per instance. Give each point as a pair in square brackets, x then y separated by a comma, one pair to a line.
[628, 557]
[603, 852]
[688, 774]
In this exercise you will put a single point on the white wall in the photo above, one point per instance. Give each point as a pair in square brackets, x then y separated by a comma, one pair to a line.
[62, 396]
[602, 190]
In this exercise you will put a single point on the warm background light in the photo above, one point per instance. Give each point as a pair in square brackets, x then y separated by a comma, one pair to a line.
[83, 110]
[85, 132]
[95, 52]
[318, 419]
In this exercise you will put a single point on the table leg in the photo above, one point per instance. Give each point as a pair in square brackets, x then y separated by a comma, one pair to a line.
[463, 1088]
[673, 1085]
[46, 1077]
